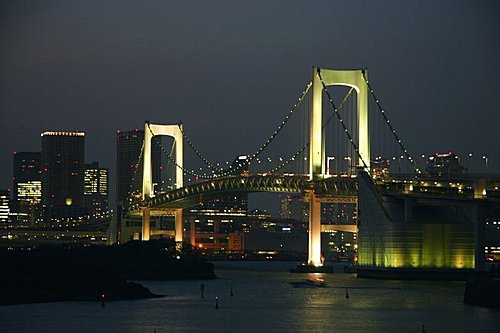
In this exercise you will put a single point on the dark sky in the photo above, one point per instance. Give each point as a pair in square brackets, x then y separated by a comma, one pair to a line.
[231, 70]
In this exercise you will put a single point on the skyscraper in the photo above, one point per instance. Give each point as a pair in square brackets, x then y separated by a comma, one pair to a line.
[27, 186]
[129, 145]
[95, 188]
[63, 156]
[293, 207]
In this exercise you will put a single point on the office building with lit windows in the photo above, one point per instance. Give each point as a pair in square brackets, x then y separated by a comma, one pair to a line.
[62, 165]
[95, 188]
[4, 206]
[27, 186]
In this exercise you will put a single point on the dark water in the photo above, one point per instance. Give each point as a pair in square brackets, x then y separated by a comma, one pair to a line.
[264, 301]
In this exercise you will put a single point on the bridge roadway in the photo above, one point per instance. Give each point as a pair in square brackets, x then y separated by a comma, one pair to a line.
[332, 189]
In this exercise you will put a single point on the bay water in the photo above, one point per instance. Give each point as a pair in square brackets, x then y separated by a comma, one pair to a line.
[258, 297]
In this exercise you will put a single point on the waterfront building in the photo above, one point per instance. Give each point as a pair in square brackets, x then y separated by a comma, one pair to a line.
[218, 221]
[492, 238]
[95, 188]
[62, 163]
[129, 146]
[4, 206]
[447, 164]
[27, 187]
[215, 220]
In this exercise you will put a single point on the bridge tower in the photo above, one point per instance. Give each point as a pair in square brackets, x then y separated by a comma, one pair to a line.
[322, 78]
[174, 131]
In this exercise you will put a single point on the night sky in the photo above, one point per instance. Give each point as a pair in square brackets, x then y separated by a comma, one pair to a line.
[230, 71]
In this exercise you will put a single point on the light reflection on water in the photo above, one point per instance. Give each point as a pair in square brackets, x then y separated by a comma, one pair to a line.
[264, 301]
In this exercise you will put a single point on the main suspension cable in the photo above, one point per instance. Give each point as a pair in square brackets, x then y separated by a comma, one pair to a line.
[290, 113]
[292, 158]
[197, 152]
[393, 131]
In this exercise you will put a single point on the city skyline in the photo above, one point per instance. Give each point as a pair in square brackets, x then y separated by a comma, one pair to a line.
[182, 158]
[231, 72]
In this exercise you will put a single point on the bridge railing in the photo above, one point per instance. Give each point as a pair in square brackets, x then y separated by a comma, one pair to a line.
[426, 188]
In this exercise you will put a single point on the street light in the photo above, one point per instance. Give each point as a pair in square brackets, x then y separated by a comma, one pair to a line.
[423, 156]
[485, 158]
[467, 156]
[328, 159]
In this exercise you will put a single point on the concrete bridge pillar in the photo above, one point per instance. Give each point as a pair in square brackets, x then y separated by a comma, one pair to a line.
[193, 232]
[333, 77]
[150, 131]
[174, 131]
[330, 77]
[178, 225]
[314, 258]
[146, 224]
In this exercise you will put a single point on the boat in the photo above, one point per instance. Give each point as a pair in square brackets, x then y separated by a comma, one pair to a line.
[309, 283]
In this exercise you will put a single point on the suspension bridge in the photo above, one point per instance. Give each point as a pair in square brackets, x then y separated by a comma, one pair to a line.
[340, 153]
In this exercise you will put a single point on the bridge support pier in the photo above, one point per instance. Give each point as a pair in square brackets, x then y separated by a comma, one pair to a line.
[314, 258]
[193, 232]
[322, 78]
[178, 225]
[146, 224]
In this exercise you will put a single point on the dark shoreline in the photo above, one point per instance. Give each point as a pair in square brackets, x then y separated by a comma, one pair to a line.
[96, 273]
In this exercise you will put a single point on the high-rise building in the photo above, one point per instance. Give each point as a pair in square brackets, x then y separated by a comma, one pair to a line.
[63, 156]
[27, 186]
[293, 207]
[95, 188]
[4, 206]
[129, 149]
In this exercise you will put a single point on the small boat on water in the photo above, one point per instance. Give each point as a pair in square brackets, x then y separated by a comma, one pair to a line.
[309, 283]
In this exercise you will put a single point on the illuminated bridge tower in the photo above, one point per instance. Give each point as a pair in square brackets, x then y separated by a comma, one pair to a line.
[322, 78]
[174, 131]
